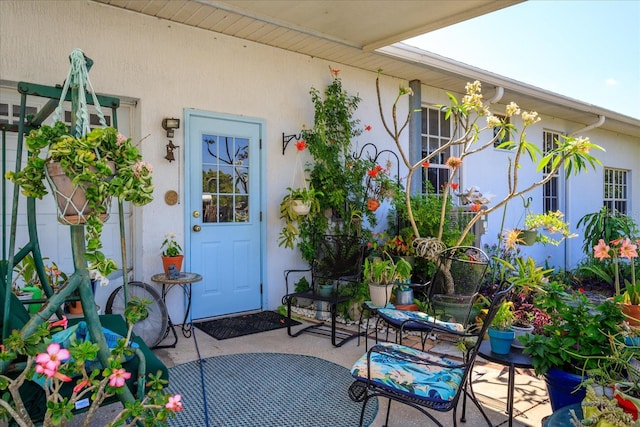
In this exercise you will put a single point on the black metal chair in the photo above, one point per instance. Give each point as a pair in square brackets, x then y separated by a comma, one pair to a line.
[422, 380]
[337, 265]
[451, 293]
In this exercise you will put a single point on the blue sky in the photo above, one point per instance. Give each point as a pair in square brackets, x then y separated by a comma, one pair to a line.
[585, 49]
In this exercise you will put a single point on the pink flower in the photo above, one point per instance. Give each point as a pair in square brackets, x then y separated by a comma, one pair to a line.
[601, 250]
[51, 373]
[175, 403]
[121, 139]
[118, 377]
[628, 250]
[50, 361]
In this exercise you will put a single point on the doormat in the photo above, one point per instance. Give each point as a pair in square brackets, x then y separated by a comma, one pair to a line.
[247, 324]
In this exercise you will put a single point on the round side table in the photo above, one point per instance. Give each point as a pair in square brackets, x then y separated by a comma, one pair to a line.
[184, 280]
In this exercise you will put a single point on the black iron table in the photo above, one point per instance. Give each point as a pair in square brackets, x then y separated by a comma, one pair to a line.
[184, 280]
[514, 359]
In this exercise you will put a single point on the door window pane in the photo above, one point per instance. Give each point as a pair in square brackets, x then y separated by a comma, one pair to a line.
[225, 179]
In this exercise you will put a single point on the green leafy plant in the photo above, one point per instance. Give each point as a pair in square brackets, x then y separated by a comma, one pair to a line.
[291, 216]
[606, 225]
[548, 224]
[336, 172]
[577, 330]
[386, 271]
[170, 246]
[504, 317]
[55, 365]
[104, 163]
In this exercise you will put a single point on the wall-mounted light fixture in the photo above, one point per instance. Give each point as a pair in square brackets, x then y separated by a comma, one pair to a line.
[170, 125]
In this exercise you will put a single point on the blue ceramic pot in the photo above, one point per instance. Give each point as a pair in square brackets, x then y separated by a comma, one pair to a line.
[563, 388]
[500, 340]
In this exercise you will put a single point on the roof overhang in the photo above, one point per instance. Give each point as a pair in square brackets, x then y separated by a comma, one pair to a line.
[366, 35]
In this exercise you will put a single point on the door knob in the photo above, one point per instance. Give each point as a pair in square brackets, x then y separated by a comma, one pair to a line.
[197, 228]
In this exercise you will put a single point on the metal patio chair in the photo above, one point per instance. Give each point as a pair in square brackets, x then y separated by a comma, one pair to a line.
[422, 380]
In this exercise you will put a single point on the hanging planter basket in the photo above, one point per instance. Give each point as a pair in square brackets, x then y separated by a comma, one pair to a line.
[528, 237]
[300, 208]
[70, 199]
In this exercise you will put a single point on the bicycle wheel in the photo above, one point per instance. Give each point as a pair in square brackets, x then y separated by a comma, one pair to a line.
[153, 329]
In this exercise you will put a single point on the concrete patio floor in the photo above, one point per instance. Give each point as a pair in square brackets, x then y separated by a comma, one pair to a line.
[489, 380]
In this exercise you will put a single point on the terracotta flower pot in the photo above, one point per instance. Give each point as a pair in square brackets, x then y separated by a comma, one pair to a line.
[373, 205]
[70, 198]
[169, 260]
[632, 313]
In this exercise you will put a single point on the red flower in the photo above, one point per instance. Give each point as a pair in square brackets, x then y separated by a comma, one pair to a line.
[335, 72]
[375, 171]
[367, 128]
[426, 164]
[454, 185]
[62, 322]
[475, 207]
[81, 385]
[301, 145]
[581, 290]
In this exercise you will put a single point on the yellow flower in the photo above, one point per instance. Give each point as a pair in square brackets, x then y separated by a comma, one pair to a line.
[512, 109]
[530, 118]
[493, 122]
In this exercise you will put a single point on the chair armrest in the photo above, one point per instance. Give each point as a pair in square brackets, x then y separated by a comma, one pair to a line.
[286, 276]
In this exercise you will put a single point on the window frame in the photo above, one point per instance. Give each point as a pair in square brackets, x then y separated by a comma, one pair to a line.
[610, 190]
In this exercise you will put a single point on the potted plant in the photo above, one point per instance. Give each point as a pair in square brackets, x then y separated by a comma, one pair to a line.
[601, 410]
[297, 205]
[631, 303]
[541, 227]
[381, 275]
[577, 332]
[617, 374]
[84, 173]
[71, 378]
[171, 253]
[500, 333]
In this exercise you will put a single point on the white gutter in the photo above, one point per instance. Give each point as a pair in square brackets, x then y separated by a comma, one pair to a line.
[597, 124]
[498, 95]
[567, 187]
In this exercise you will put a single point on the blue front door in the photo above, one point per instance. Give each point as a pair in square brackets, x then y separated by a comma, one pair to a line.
[223, 212]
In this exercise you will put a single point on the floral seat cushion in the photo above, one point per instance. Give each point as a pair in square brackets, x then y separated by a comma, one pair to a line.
[398, 317]
[411, 372]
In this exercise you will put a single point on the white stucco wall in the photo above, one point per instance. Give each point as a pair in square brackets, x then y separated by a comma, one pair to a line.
[167, 67]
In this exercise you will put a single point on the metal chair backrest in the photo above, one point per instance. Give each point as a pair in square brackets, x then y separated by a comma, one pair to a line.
[456, 282]
[338, 257]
